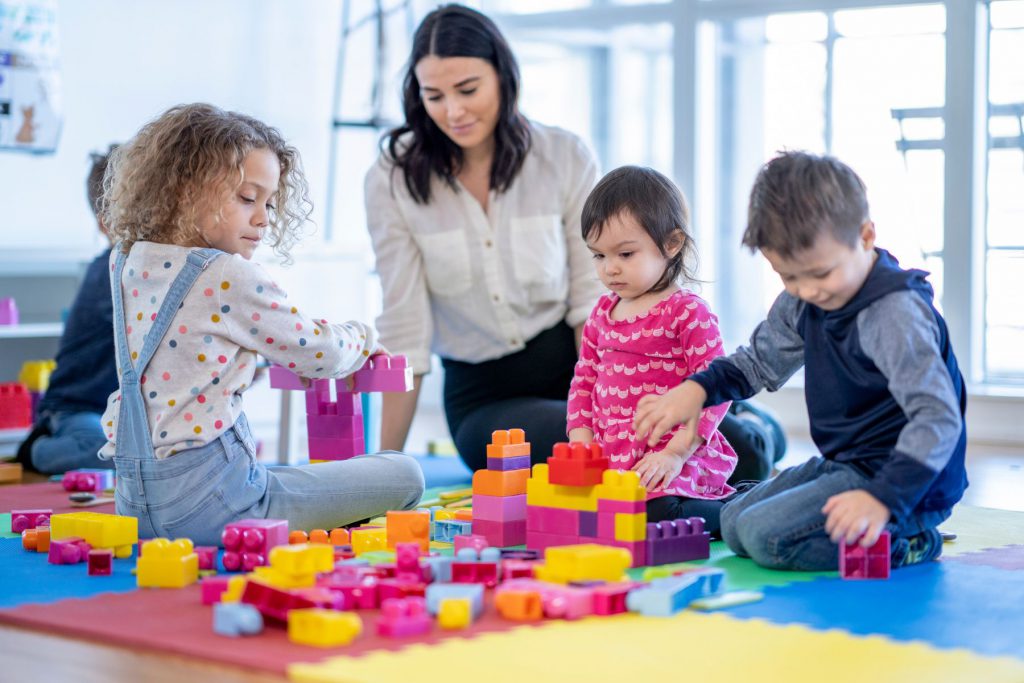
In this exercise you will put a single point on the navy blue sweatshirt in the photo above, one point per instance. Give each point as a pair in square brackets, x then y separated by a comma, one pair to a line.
[882, 385]
[86, 372]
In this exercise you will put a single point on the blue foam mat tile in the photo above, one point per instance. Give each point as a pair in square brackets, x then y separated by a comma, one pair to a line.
[26, 577]
[444, 470]
[946, 604]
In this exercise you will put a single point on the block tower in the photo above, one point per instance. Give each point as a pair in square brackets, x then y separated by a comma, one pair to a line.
[499, 492]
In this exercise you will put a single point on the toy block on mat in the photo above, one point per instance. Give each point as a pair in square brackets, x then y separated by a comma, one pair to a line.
[296, 566]
[664, 597]
[367, 539]
[207, 555]
[37, 539]
[29, 519]
[166, 564]
[15, 406]
[681, 540]
[519, 604]
[273, 603]
[102, 531]
[557, 601]
[437, 593]
[323, 627]
[611, 598]
[621, 485]
[508, 443]
[383, 373]
[473, 567]
[577, 464]
[235, 619]
[583, 562]
[361, 593]
[212, 588]
[408, 526]
[248, 542]
[10, 472]
[445, 530]
[858, 562]
[454, 613]
[68, 551]
[539, 491]
[90, 480]
[500, 483]
[101, 562]
[401, 617]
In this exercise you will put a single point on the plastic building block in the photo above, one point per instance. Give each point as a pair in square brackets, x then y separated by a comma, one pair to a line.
[519, 462]
[400, 588]
[296, 566]
[361, 593]
[681, 540]
[445, 531]
[501, 533]
[408, 526]
[454, 613]
[558, 602]
[440, 567]
[577, 464]
[235, 589]
[10, 472]
[336, 537]
[37, 539]
[102, 531]
[212, 588]
[383, 373]
[473, 567]
[638, 549]
[400, 617]
[35, 374]
[8, 311]
[516, 569]
[630, 527]
[858, 562]
[101, 562]
[29, 519]
[499, 508]
[91, 480]
[236, 619]
[273, 603]
[611, 598]
[367, 539]
[539, 491]
[464, 515]
[280, 378]
[500, 483]
[166, 564]
[508, 443]
[553, 520]
[323, 627]
[248, 542]
[725, 600]
[664, 597]
[68, 551]
[519, 605]
[583, 562]
[436, 593]
[15, 406]
[621, 485]
[474, 541]
[298, 536]
[540, 541]
[207, 555]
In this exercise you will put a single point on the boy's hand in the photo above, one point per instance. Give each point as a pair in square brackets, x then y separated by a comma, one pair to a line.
[656, 415]
[657, 470]
[581, 434]
[855, 514]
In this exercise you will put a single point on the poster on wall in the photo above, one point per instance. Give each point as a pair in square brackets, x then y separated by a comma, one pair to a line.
[30, 104]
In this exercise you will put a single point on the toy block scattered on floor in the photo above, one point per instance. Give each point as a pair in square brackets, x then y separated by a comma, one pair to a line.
[236, 619]
[408, 526]
[323, 627]
[482, 567]
[88, 480]
[69, 550]
[445, 530]
[454, 613]
[400, 617]
[207, 555]
[212, 588]
[383, 373]
[681, 540]
[367, 539]
[476, 541]
[436, 593]
[664, 597]
[10, 472]
[858, 562]
[557, 601]
[296, 566]
[583, 562]
[166, 564]
[519, 604]
[274, 603]
[101, 562]
[37, 539]
[102, 531]
[29, 519]
[248, 542]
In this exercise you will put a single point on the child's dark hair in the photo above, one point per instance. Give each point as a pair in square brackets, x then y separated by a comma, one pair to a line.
[457, 31]
[798, 196]
[655, 203]
[94, 181]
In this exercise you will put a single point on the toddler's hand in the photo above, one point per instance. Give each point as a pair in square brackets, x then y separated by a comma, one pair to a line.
[656, 415]
[855, 514]
[657, 470]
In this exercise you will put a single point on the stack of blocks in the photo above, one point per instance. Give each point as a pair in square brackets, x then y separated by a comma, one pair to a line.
[101, 531]
[575, 498]
[499, 492]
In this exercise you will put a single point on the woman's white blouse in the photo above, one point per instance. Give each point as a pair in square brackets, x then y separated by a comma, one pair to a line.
[474, 286]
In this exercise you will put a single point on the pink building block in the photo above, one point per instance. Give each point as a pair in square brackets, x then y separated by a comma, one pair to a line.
[212, 588]
[401, 617]
[475, 541]
[400, 588]
[29, 519]
[88, 480]
[101, 562]
[499, 508]
[207, 557]
[383, 373]
[281, 378]
[558, 602]
[857, 562]
[501, 534]
[631, 507]
[517, 569]
[681, 540]
[8, 311]
[358, 593]
[247, 542]
[611, 598]
[68, 551]
[553, 520]
[539, 540]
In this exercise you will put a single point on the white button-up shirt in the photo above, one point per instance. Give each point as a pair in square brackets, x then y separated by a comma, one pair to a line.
[472, 285]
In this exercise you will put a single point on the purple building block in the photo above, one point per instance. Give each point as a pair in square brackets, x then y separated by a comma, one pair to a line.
[101, 562]
[68, 551]
[857, 562]
[383, 373]
[588, 524]
[90, 480]
[247, 542]
[8, 311]
[29, 519]
[517, 462]
[681, 540]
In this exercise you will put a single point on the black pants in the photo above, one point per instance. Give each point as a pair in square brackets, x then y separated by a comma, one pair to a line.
[528, 390]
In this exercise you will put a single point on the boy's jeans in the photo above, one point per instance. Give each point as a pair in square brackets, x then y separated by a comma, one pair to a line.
[779, 523]
[75, 439]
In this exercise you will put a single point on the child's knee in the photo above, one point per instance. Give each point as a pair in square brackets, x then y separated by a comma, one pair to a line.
[758, 538]
[407, 476]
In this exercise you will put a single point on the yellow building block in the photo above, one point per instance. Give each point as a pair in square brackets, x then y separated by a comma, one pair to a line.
[166, 564]
[236, 586]
[302, 558]
[621, 485]
[323, 627]
[35, 374]
[368, 540]
[539, 491]
[630, 526]
[585, 562]
[102, 531]
[443, 515]
[454, 613]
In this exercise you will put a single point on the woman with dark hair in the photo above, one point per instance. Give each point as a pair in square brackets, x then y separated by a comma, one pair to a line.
[474, 213]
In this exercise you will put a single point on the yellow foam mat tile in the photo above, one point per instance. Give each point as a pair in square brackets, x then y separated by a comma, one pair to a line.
[979, 528]
[692, 646]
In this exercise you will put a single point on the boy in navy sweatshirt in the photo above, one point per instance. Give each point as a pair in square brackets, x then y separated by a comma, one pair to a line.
[884, 393]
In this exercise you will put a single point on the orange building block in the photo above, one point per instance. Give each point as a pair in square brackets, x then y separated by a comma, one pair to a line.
[497, 483]
[408, 526]
[517, 605]
[508, 444]
[464, 515]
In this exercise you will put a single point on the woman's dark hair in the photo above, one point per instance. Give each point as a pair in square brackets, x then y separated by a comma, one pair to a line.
[656, 204]
[457, 31]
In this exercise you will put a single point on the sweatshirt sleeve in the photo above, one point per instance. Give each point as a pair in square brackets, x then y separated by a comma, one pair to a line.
[775, 352]
[581, 390]
[900, 335]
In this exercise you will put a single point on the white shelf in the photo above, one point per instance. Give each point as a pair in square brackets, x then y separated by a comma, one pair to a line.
[31, 331]
[13, 435]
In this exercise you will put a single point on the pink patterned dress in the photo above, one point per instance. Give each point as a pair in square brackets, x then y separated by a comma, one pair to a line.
[623, 360]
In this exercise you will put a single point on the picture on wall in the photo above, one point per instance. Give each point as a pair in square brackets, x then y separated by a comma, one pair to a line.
[30, 103]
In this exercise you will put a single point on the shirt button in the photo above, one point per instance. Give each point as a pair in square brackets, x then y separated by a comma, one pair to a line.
[488, 244]
[497, 297]
[513, 341]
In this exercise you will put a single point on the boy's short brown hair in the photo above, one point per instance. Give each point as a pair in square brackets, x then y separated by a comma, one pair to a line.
[798, 196]
[94, 182]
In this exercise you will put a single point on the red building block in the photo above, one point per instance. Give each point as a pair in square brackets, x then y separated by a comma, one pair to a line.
[29, 519]
[362, 593]
[247, 542]
[101, 562]
[15, 406]
[611, 598]
[857, 562]
[401, 617]
[577, 464]
[273, 603]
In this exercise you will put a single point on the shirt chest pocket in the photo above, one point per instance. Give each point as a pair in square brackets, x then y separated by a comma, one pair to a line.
[446, 261]
[538, 254]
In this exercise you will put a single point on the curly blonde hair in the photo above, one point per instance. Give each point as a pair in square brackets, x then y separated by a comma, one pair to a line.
[184, 164]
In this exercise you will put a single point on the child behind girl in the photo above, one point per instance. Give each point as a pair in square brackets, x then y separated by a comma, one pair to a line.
[646, 336]
[189, 198]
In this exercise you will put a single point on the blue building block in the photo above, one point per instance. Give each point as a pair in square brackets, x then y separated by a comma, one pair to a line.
[666, 596]
[436, 592]
[446, 530]
[440, 566]
[236, 619]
